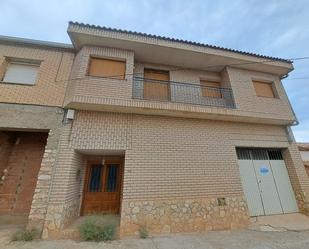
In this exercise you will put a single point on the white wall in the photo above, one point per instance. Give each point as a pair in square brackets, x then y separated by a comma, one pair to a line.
[304, 155]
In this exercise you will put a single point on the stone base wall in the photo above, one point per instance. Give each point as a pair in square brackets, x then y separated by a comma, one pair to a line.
[71, 211]
[183, 215]
[58, 217]
[40, 197]
[303, 205]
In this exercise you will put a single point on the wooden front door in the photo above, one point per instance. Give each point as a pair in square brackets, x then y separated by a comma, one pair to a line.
[102, 187]
[19, 170]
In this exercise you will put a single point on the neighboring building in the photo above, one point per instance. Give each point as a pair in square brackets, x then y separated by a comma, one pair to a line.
[304, 152]
[34, 76]
[173, 135]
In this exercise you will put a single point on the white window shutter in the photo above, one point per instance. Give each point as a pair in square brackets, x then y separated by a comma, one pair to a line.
[21, 73]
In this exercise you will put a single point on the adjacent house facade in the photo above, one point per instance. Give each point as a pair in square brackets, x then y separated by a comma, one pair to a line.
[34, 77]
[171, 135]
[304, 152]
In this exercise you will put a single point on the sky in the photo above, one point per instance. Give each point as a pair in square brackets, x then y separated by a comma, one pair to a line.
[275, 28]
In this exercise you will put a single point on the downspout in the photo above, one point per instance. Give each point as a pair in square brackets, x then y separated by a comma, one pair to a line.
[296, 122]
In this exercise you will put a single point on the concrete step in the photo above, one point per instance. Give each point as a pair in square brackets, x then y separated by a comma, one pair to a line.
[280, 223]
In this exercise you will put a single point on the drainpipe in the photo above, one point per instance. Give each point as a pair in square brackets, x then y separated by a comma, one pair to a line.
[296, 122]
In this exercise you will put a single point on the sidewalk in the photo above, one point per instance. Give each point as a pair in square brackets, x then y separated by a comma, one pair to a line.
[283, 222]
[241, 239]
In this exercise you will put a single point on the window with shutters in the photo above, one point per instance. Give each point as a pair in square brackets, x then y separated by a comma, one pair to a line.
[156, 84]
[211, 89]
[20, 71]
[264, 89]
[107, 68]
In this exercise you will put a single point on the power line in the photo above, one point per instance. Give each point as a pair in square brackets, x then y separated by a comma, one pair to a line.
[298, 78]
[243, 63]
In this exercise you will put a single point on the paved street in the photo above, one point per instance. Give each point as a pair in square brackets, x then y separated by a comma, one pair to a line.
[241, 239]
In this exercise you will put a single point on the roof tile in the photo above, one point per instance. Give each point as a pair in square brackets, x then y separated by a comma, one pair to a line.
[179, 40]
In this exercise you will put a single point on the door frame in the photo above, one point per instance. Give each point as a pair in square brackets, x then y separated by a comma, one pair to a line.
[107, 160]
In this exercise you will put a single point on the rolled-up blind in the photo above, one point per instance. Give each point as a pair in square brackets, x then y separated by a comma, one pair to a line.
[21, 73]
[156, 84]
[107, 68]
[211, 89]
[263, 89]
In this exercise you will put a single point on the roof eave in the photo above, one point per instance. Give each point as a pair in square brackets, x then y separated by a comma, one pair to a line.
[86, 35]
[75, 27]
[10, 40]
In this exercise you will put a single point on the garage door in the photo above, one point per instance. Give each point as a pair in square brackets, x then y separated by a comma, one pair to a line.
[266, 182]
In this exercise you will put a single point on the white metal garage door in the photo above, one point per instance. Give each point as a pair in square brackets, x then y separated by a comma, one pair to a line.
[266, 182]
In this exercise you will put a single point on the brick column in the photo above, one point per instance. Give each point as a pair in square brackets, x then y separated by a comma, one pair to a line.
[64, 199]
[298, 176]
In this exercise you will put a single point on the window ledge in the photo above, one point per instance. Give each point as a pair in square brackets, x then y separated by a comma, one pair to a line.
[105, 78]
[16, 83]
[265, 97]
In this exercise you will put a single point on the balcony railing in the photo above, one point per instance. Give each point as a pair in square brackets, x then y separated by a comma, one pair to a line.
[187, 93]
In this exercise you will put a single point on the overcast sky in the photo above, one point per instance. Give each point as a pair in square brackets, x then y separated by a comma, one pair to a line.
[276, 28]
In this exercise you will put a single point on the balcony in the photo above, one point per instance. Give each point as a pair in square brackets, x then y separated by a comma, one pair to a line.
[186, 93]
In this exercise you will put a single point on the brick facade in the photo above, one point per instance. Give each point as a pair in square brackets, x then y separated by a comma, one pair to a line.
[180, 159]
[85, 92]
[36, 108]
[168, 162]
[52, 80]
[85, 86]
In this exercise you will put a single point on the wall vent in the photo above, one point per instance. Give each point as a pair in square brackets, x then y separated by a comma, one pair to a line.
[258, 154]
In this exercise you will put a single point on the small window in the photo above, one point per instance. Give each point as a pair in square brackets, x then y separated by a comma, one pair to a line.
[264, 89]
[21, 73]
[211, 89]
[107, 68]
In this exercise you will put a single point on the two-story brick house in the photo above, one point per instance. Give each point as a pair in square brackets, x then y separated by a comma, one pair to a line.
[173, 135]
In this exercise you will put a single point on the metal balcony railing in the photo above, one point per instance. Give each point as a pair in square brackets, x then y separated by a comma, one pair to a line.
[187, 93]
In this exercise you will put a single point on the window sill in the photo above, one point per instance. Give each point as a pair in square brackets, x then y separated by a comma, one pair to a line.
[106, 78]
[16, 83]
[212, 97]
[265, 97]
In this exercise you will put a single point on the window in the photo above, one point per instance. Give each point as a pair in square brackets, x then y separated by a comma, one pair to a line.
[211, 89]
[107, 68]
[156, 84]
[95, 183]
[111, 178]
[264, 89]
[21, 73]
